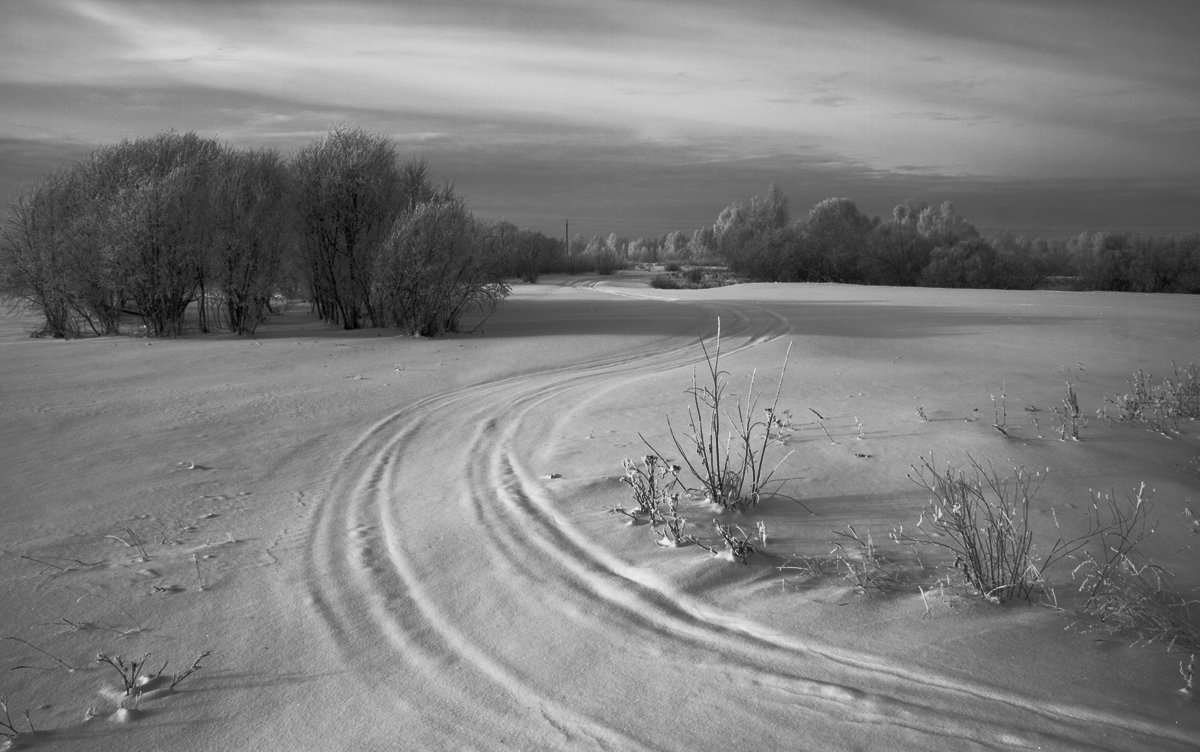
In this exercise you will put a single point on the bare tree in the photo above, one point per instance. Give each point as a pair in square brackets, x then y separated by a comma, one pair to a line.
[434, 268]
[32, 261]
[531, 252]
[251, 205]
[130, 225]
[154, 217]
[349, 191]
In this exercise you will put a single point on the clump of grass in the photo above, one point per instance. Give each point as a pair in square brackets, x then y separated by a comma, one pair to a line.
[1188, 673]
[726, 450]
[1000, 410]
[1069, 416]
[806, 567]
[1125, 595]
[982, 518]
[135, 679]
[1138, 599]
[668, 526]
[854, 557]
[653, 484]
[130, 673]
[858, 560]
[666, 281]
[740, 546]
[650, 482]
[1159, 404]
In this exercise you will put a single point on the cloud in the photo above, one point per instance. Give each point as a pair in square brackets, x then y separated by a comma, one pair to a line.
[554, 98]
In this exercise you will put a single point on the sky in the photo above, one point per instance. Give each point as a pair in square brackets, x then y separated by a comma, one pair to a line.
[644, 116]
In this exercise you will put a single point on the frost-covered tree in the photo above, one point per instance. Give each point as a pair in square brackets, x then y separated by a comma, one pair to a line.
[532, 253]
[251, 216]
[436, 264]
[676, 246]
[153, 221]
[837, 233]
[944, 224]
[748, 236]
[349, 191]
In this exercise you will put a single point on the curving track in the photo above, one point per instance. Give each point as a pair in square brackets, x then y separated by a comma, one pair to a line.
[503, 627]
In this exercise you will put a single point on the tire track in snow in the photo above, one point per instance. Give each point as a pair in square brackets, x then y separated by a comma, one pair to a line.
[500, 621]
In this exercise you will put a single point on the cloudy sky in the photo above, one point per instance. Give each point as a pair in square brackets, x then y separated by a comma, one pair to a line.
[643, 116]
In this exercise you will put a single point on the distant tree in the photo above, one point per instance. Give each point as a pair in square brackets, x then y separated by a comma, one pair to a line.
[644, 250]
[617, 246]
[34, 255]
[1018, 265]
[600, 256]
[779, 254]
[1155, 264]
[1055, 257]
[1104, 260]
[894, 254]
[906, 214]
[349, 191]
[535, 253]
[92, 246]
[154, 217]
[676, 247]
[577, 258]
[434, 267]
[704, 246]
[771, 211]
[522, 253]
[1188, 279]
[966, 264]
[944, 225]
[135, 225]
[416, 185]
[251, 215]
[837, 231]
[749, 236]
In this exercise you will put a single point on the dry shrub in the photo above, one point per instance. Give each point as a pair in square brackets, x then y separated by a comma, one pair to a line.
[1125, 594]
[727, 452]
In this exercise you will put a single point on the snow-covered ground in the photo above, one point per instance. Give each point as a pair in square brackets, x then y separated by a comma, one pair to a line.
[396, 543]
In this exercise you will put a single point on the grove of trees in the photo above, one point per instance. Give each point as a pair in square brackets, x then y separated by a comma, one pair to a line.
[154, 227]
[921, 245]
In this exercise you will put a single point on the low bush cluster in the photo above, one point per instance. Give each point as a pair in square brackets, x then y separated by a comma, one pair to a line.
[922, 245]
[156, 227]
[1160, 404]
[977, 516]
[694, 278]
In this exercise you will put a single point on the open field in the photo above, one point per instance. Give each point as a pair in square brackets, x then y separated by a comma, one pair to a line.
[399, 543]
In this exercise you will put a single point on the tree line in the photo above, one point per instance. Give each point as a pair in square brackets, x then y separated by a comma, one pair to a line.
[153, 227]
[918, 245]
